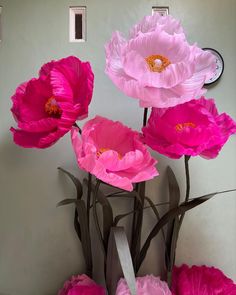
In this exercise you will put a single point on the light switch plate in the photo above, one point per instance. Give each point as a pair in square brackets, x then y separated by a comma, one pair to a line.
[162, 10]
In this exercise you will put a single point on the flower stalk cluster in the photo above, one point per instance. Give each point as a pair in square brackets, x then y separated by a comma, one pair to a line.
[158, 66]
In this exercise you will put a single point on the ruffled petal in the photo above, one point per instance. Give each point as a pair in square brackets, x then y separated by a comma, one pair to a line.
[156, 21]
[43, 125]
[29, 100]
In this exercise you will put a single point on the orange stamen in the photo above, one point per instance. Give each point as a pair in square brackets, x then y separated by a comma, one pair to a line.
[181, 126]
[102, 150]
[157, 63]
[52, 107]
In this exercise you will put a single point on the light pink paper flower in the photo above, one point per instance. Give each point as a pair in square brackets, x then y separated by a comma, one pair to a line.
[46, 108]
[113, 153]
[193, 128]
[157, 65]
[148, 285]
[201, 280]
[81, 285]
[151, 23]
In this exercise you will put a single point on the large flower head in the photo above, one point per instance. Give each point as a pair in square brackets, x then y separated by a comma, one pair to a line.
[157, 65]
[193, 128]
[201, 280]
[149, 285]
[46, 108]
[81, 285]
[113, 153]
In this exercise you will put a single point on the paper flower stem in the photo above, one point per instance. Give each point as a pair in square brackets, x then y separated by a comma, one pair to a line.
[187, 173]
[89, 196]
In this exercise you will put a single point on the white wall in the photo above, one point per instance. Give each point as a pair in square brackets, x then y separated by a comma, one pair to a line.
[38, 247]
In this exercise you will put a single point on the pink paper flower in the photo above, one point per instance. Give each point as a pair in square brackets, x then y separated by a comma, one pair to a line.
[157, 65]
[113, 153]
[148, 285]
[81, 285]
[193, 128]
[201, 280]
[46, 108]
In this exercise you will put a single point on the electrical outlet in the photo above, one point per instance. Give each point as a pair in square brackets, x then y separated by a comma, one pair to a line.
[77, 24]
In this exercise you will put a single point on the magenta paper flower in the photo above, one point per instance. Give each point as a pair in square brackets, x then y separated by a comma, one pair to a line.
[201, 280]
[193, 128]
[113, 153]
[81, 285]
[157, 65]
[148, 285]
[46, 108]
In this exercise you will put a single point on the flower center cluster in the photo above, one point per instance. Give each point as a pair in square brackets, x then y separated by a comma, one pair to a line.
[157, 63]
[52, 108]
[102, 150]
[181, 126]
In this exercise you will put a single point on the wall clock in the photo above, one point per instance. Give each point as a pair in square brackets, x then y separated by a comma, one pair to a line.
[219, 66]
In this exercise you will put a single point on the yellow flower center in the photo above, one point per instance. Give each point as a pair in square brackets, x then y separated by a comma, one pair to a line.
[157, 63]
[102, 150]
[52, 108]
[181, 126]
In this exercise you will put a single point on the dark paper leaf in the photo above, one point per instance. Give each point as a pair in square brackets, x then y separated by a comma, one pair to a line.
[119, 260]
[154, 209]
[169, 216]
[121, 216]
[128, 195]
[85, 235]
[76, 182]
[106, 212]
[137, 223]
[66, 202]
[173, 225]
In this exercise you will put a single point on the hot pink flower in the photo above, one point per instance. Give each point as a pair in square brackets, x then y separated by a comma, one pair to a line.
[46, 108]
[81, 285]
[148, 285]
[193, 128]
[157, 65]
[201, 280]
[113, 153]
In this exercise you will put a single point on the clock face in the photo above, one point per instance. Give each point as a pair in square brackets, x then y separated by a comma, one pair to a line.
[219, 66]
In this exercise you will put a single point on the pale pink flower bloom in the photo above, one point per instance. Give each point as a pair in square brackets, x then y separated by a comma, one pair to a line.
[113, 153]
[193, 128]
[148, 285]
[201, 280]
[157, 65]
